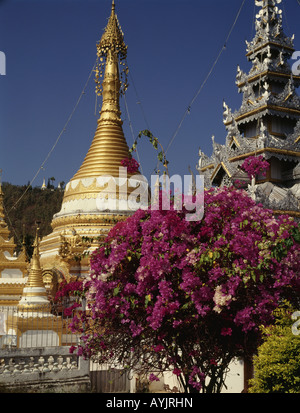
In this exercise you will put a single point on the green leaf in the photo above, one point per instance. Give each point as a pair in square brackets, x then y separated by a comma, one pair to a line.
[160, 156]
[116, 291]
[147, 300]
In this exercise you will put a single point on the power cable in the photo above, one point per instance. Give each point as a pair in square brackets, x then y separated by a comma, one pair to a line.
[131, 128]
[207, 77]
[139, 102]
[56, 142]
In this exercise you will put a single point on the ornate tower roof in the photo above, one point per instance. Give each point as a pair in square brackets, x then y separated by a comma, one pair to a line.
[268, 121]
[269, 30]
[269, 87]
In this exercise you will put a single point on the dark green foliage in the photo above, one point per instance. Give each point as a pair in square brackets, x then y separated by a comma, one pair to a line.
[277, 364]
[24, 211]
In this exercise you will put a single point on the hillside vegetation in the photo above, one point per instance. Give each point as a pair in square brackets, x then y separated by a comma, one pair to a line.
[25, 211]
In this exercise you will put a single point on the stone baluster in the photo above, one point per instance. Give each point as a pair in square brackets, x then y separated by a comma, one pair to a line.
[55, 367]
[26, 369]
[6, 369]
[74, 365]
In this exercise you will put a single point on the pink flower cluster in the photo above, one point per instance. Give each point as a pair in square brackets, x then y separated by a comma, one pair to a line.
[196, 378]
[255, 165]
[207, 284]
[68, 289]
[131, 164]
[68, 294]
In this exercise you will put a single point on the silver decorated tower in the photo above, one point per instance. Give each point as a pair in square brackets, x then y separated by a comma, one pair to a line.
[267, 123]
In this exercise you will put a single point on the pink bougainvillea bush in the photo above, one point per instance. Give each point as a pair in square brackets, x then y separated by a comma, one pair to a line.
[69, 294]
[167, 294]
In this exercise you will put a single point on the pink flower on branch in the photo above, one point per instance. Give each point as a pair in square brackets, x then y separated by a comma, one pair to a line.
[131, 164]
[153, 377]
[185, 293]
[255, 165]
[226, 331]
[177, 372]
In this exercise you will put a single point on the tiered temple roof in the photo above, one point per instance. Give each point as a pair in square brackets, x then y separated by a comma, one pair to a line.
[268, 121]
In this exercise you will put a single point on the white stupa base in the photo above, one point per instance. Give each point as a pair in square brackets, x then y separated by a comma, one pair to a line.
[34, 305]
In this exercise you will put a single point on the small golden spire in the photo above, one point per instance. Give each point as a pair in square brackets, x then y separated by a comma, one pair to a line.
[1, 203]
[3, 224]
[1, 192]
[7, 243]
[35, 278]
[34, 297]
[44, 184]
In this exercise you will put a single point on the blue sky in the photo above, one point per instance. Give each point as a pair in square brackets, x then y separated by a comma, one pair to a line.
[50, 48]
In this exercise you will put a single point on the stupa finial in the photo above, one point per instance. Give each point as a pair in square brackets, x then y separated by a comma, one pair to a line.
[109, 146]
[111, 47]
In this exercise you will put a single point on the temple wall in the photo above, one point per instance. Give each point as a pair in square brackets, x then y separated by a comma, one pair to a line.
[234, 382]
[43, 370]
[11, 273]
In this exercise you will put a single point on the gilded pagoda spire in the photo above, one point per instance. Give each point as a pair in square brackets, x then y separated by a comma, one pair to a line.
[102, 192]
[109, 145]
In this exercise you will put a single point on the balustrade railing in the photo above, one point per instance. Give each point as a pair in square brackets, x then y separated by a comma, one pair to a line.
[55, 365]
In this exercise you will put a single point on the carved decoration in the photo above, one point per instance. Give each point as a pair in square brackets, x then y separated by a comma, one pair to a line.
[268, 91]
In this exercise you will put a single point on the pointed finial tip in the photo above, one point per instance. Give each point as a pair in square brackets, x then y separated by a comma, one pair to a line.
[36, 241]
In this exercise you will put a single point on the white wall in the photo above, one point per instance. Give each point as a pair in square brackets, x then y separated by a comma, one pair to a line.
[11, 273]
[38, 338]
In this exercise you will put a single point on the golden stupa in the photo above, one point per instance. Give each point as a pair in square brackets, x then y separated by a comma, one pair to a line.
[100, 194]
[13, 267]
